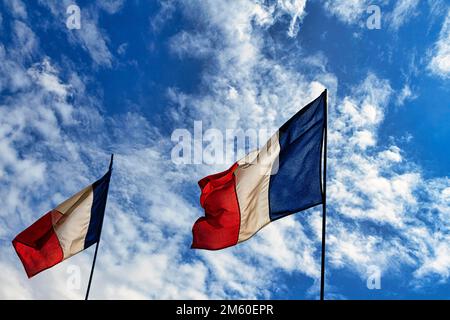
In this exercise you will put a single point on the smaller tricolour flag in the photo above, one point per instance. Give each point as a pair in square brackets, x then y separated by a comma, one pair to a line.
[71, 227]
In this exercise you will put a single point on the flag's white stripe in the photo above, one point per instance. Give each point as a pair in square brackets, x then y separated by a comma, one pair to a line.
[252, 187]
[72, 228]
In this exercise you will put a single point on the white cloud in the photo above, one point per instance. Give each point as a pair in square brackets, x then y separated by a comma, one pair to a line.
[392, 154]
[122, 49]
[17, 8]
[164, 14]
[111, 6]
[354, 12]
[94, 41]
[406, 94]
[25, 40]
[440, 60]
[348, 11]
[355, 247]
[91, 37]
[11, 288]
[379, 194]
[373, 188]
[296, 10]
[403, 11]
[14, 77]
[363, 139]
[439, 260]
[194, 45]
[46, 75]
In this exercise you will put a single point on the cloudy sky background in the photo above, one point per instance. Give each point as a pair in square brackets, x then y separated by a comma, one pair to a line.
[137, 70]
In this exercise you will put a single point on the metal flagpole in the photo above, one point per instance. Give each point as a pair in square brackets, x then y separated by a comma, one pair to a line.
[92, 271]
[324, 200]
[98, 242]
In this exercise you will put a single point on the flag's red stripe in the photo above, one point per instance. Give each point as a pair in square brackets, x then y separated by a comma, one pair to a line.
[219, 228]
[38, 246]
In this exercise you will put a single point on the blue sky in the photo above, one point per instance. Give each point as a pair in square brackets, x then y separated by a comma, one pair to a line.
[138, 70]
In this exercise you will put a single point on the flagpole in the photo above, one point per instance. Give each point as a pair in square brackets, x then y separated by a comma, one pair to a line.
[92, 271]
[98, 242]
[324, 201]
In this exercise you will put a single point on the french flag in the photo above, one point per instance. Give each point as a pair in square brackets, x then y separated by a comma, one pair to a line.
[71, 227]
[281, 178]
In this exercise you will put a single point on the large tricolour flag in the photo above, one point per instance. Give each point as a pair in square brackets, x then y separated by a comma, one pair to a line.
[281, 178]
[71, 227]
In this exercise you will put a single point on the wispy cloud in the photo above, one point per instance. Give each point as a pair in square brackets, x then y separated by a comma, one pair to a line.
[296, 10]
[26, 41]
[354, 12]
[90, 37]
[164, 14]
[403, 11]
[17, 8]
[440, 54]
[111, 6]
[406, 94]
[347, 11]
[385, 201]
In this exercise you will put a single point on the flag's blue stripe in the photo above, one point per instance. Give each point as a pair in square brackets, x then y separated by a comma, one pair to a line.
[100, 189]
[297, 184]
